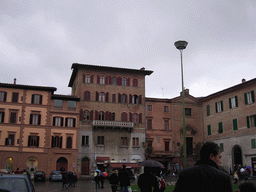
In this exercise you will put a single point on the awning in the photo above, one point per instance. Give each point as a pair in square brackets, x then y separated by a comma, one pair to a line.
[128, 165]
[100, 160]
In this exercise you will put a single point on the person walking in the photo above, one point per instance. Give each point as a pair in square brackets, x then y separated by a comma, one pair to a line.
[236, 177]
[205, 175]
[97, 179]
[65, 180]
[113, 180]
[147, 180]
[102, 180]
[124, 179]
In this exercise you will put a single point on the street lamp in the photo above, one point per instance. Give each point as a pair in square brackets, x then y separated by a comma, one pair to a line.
[182, 45]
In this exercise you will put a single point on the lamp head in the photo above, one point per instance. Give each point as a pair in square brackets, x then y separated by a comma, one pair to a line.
[181, 44]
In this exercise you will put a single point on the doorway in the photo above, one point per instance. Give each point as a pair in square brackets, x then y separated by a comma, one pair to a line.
[189, 142]
[62, 164]
[85, 166]
[237, 156]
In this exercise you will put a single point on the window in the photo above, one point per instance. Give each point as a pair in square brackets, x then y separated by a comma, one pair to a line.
[124, 116]
[149, 107]
[166, 145]
[220, 130]
[33, 141]
[209, 129]
[15, 97]
[188, 111]
[2, 96]
[135, 142]
[251, 121]
[149, 124]
[87, 79]
[219, 106]
[233, 102]
[58, 104]
[58, 121]
[253, 143]
[135, 82]
[124, 81]
[135, 118]
[69, 143]
[1, 117]
[35, 119]
[235, 126]
[208, 111]
[86, 115]
[222, 147]
[56, 141]
[124, 141]
[101, 115]
[102, 97]
[249, 97]
[166, 124]
[10, 139]
[113, 81]
[135, 99]
[71, 105]
[70, 122]
[166, 109]
[123, 98]
[100, 140]
[113, 117]
[102, 80]
[87, 96]
[36, 99]
[113, 98]
[85, 140]
[13, 116]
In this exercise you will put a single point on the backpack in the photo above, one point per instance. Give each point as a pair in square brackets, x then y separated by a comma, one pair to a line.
[162, 184]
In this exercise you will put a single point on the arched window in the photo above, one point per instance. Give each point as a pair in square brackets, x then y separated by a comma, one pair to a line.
[102, 80]
[101, 115]
[86, 115]
[69, 143]
[87, 96]
[124, 81]
[113, 117]
[102, 97]
[135, 82]
[135, 118]
[123, 116]
[123, 98]
[113, 98]
[87, 79]
[113, 81]
[135, 99]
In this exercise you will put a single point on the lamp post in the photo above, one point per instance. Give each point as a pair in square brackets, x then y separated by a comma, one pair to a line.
[181, 45]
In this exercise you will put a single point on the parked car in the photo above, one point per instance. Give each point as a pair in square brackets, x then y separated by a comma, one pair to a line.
[39, 176]
[16, 183]
[55, 176]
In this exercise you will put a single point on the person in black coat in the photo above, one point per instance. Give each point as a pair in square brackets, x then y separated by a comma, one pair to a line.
[113, 180]
[205, 175]
[147, 180]
[124, 179]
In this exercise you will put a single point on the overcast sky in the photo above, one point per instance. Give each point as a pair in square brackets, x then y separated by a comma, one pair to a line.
[40, 39]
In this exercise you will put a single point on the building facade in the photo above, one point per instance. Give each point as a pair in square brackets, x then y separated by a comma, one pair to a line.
[29, 138]
[112, 116]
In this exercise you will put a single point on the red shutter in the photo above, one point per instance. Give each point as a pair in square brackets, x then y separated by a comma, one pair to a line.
[119, 81]
[125, 98]
[97, 96]
[106, 80]
[91, 78]
[91, 115]
[140, 101]
[81, 114]
[130, 98]
[128, 82]
[83, 78]
[107, 97]
[140, 118]
[130, 117]
[106, 115]
[98, 79]
[109, 80]
[119, 98]
[96, 115]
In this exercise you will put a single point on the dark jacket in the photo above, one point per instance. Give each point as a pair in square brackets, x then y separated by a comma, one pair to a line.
[113, 179]
[204, 176]
[124, 178]
[146, 181]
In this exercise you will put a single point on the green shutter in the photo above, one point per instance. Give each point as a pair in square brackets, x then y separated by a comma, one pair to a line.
[254, 117]
[221, 103]
[208, 110]
[216, 107]
[253, 143]
[209, 129]
[220, 127]
[253, 99]
[222, 147]
[235, 124]
[245, 98]
[248, 121]
[230, 105]
[236, 101]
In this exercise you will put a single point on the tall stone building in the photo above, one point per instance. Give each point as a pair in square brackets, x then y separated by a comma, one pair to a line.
[38, 130]
[112, 116]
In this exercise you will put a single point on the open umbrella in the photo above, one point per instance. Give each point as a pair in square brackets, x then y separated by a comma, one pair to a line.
[249, 167]
[104, 174]
[151, 163]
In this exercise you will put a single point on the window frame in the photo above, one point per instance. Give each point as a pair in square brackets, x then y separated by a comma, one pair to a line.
[149, 107]
[33, 141]
[85, 140]
[15, 97]
[36, 99]
[135, 142]
[219, 106]
[100, 140]
[166, 109]
[149, 124]
[3, 96]
[124, 141]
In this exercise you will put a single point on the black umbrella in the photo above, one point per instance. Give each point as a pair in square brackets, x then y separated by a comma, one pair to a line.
[151, 163]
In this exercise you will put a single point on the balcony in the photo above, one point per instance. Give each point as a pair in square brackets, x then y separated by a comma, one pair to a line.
[112, 125]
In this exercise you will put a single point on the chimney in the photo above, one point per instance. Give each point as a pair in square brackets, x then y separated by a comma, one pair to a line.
[186, 91]
[14, 81]
[143, 68]
[243, 80]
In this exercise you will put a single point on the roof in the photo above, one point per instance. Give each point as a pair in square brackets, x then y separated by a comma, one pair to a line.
[28, 87]
[102, 159]
[77, 66]
[65, 97]
[228, 90]
[128, 165]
